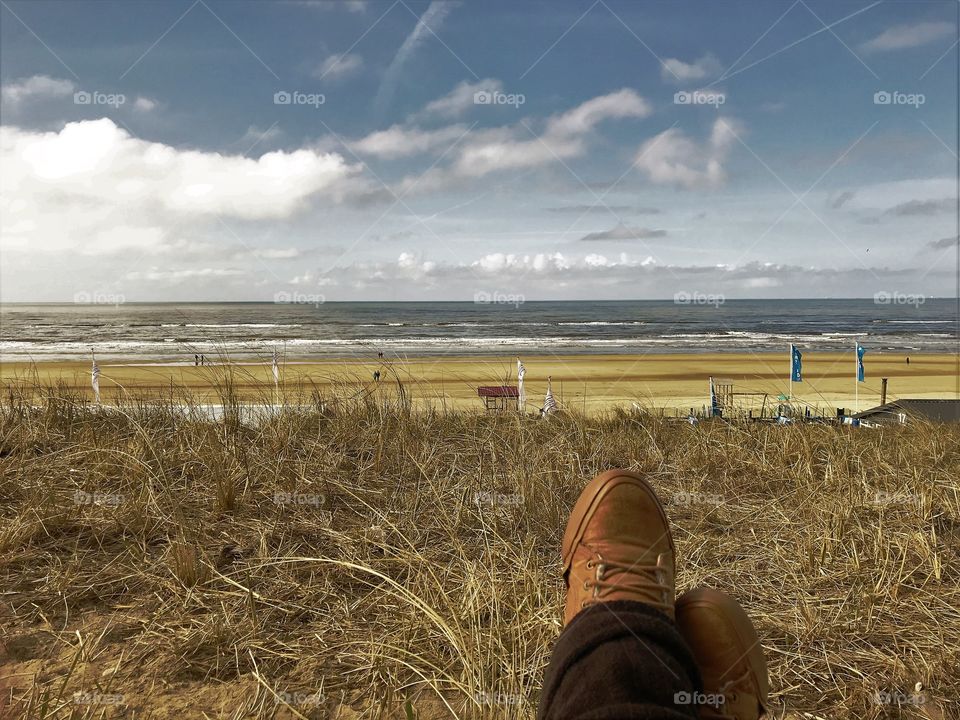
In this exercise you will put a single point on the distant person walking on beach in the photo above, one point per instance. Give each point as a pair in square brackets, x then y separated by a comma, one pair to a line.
[196, 359]
[630, 649]
[908, 359]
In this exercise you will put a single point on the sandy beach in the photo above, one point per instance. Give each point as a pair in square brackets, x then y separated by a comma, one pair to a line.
[591, 382]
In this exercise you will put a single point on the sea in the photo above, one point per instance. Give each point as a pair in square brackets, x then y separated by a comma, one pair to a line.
[175, 332]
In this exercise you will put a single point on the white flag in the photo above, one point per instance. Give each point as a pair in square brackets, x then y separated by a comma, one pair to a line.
[549, 404]
[95, 378]
[521, 371]
[276, 367]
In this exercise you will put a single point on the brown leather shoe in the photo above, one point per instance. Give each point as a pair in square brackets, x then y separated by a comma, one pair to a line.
[728, 653]
[617, 546]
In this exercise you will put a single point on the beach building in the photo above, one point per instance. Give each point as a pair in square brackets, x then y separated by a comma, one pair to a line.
[907, 409]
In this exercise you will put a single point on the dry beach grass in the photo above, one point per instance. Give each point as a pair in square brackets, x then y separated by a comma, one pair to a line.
[360, 559]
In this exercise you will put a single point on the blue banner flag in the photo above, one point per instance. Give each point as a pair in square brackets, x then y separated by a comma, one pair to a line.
[796, 370]
[860, 351]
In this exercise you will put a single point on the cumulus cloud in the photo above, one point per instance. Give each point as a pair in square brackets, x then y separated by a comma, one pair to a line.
[37, 87]
[75, 188]
[674, 70]
[563, 136]
[399, 141]
[902, 37]
[549, 275]
[339, 67]
[673, 158]
[624, 232]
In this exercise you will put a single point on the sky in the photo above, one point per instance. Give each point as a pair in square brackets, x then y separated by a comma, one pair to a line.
[400, 150]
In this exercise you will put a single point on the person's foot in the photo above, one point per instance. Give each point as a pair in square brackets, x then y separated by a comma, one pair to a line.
[617, 546]
[727, 651]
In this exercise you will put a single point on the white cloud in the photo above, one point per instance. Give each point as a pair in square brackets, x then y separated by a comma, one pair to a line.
[548, 275]
[338, 67]
[78, 185]
[674, 70]
[399, 141]
[902, 37]
[144, 104]
[460, 100]
[672, 158]
[174, 276]
[564, 136]
[583, 118]
[36, 87]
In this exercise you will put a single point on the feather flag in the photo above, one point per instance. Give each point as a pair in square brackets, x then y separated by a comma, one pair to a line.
[276, 367]
[796, 364]
[95, 378]
[549, 404]
[860, 351]
[521, 371]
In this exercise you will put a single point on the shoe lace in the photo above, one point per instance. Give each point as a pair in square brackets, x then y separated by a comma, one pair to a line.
[633, 577]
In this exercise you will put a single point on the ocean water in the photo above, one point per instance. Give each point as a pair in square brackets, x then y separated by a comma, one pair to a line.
[170, 332]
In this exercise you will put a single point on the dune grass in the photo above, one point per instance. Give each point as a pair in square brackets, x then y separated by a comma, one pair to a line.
[363, 559]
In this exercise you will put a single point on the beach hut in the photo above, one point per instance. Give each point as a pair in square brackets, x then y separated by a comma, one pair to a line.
[907, 409]
[499, 397]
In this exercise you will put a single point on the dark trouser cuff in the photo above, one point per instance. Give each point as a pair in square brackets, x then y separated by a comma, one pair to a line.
[621, 660]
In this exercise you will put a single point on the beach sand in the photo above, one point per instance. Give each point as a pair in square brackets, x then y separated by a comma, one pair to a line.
[675, 383]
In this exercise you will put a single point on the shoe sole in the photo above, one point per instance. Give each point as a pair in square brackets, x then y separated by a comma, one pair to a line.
[590, 497]
[737, 618]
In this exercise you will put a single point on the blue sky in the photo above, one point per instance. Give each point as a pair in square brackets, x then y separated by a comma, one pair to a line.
[147, 150]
